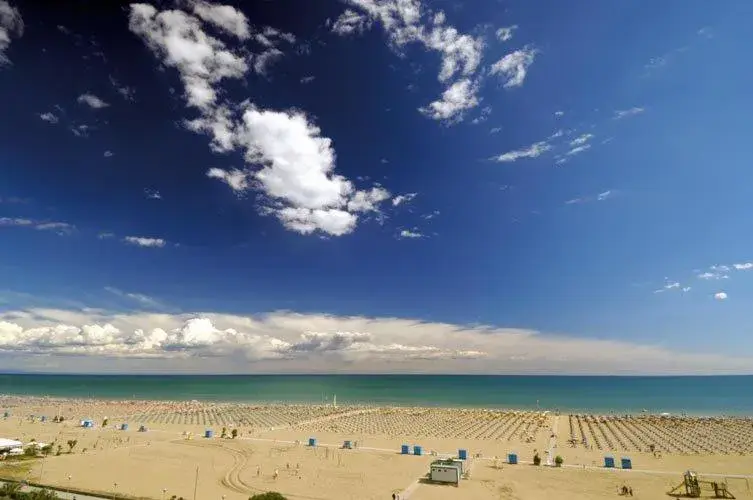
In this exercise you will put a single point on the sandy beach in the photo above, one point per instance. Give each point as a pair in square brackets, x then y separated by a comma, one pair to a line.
[271, 451]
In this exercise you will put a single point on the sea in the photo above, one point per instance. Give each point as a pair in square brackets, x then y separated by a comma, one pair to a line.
[691, 395]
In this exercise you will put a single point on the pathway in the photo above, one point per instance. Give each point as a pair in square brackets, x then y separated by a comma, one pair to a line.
[61, 494]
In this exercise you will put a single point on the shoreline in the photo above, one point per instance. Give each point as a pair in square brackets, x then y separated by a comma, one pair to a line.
[397, 405]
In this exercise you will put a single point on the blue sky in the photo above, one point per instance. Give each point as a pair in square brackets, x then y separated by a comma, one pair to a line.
[565, 175]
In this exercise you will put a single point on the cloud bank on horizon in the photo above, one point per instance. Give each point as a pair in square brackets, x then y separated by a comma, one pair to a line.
[386, 162]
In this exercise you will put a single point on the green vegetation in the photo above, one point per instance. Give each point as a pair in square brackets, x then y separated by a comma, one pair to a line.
[536, 459]
[270, 495]
[12, 491]
[558, 460]
[72, 444]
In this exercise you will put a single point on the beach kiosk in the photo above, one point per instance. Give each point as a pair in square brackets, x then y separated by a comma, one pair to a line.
[312, 442]
[442, 471]
[209, 433]
[463, 454]
[405, 449]
[512, 458]
[418, 450]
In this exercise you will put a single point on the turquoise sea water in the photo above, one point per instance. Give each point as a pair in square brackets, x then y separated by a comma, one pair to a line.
[721, 395]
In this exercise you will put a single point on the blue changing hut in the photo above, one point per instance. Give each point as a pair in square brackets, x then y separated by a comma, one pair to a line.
[417, 450]
[312, 441]
[405, 449]
[123, 427]
[627, 463]
[463, 454]
[87, 423]
[209, 433]
[512, 458]
[609, 462]
[43, 418]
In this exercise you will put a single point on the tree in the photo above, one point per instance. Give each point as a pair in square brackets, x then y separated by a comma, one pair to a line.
[536, 459]
[270, 495]
[72, 444]
[235, 433]
[558, 460]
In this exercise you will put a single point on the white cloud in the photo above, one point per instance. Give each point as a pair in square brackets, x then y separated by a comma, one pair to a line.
[141, 299]
[11, 25]
[92, 101]
[179, 41]
[403, 198]
[720, 296]
[404, 23]
[152, 194]
[106, 235]
[627, 113]
[406, 233]
[495, 130]
[49, 118]
[580, 140]
[456, 100]
[351, 22]
[224, 17]
[288, 341]
[559, 114]
[236, 179]
[604, 195]
[307, 79]
[288, 159]
[533, 151]
[145, 242]
[745, 266]
[60, 228]
[108, 154]
[504, 34]
[578, 149]
[513, 67]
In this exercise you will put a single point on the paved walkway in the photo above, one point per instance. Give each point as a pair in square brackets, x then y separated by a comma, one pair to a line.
[61, 494]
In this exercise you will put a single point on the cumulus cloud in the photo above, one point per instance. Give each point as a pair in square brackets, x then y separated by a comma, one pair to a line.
[152, 194]
[456, 100]
[406, 22]
[504, 34]
[145, 242]
[513, 67]
[287, 341]
[11, 25]
[720, 296]
[625, 113]
[533, 151]
[92, 101]
[288, 159]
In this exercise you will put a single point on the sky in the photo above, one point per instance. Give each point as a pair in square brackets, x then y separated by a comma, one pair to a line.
[369, 186]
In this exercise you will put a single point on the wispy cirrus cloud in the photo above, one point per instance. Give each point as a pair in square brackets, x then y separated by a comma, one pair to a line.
[625, 113]
[60, 228]
[533, 151]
